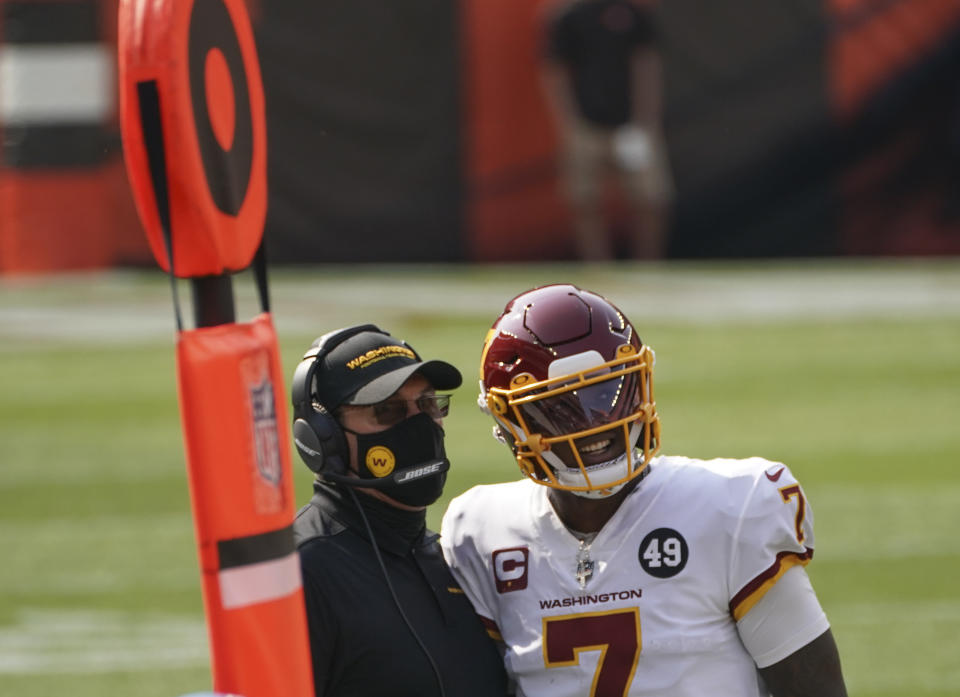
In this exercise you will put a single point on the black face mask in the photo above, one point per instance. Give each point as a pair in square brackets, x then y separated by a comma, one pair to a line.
[407, 462]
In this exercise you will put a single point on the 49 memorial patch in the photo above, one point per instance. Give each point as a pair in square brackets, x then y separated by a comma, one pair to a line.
[663, 553]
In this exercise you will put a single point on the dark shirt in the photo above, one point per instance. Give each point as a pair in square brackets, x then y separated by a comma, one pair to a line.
[595, 40]
[359, 642]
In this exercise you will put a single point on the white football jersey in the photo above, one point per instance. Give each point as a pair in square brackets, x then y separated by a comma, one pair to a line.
[650, 606]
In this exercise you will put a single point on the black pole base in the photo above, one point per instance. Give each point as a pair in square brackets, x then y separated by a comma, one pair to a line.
[213, 300]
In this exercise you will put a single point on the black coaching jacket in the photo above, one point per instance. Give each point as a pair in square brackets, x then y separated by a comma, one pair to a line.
[359, 641]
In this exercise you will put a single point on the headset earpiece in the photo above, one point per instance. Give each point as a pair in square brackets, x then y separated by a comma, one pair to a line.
[316, 432]
[321, 443]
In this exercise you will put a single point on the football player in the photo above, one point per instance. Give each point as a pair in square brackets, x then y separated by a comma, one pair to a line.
[610, 570]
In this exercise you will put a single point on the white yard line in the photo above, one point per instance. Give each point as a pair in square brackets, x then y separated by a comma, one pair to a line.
[920, 613]
[123, 306]
[916, 522]
[44, 642]
[47, 641]
[875, 636]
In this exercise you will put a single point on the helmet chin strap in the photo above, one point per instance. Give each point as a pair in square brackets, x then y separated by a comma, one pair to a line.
[599, 474]
[602, 472]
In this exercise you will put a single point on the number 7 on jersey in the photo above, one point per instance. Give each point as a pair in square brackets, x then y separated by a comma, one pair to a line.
[616, 634]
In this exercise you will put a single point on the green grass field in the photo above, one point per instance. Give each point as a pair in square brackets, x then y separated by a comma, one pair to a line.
[848, 372]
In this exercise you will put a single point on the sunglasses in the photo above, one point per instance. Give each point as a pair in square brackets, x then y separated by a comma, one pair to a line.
[390, 412]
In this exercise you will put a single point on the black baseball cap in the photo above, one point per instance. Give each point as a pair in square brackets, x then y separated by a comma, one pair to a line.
[370, 366]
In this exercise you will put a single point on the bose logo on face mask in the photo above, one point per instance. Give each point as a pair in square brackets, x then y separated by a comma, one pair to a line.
[510, 568]
[418, 472]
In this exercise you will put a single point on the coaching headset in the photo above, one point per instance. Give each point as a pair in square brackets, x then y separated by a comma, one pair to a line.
[317, 434]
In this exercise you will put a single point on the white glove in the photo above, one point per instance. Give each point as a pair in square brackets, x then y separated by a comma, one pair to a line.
[632, 148]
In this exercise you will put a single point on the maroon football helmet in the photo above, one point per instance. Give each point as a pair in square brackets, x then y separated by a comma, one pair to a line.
[570, 386]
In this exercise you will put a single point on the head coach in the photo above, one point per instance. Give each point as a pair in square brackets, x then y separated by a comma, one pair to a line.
[385, 616]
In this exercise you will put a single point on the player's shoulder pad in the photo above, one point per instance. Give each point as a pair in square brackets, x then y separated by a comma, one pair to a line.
[746, 472]
[729, 483]
[776, 501]
[491, 494]
[756, 476]
[776, 485]
[721, 468]
[482, 499]
[476, 508]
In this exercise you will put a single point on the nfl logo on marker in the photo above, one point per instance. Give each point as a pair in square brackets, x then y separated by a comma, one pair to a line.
[267, 490]
[265, 432]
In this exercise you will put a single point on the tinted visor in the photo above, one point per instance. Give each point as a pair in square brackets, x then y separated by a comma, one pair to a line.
[583, 408]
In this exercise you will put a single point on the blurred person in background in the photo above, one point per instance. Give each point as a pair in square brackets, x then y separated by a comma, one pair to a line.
[384, 615]
[609, 570]
[603, 80]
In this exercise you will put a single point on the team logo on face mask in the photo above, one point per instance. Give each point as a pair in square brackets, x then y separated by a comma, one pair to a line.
[380, 461]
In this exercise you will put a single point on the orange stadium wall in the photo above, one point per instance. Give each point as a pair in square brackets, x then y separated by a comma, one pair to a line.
[514, 210]
[64, 199]
[900, 193]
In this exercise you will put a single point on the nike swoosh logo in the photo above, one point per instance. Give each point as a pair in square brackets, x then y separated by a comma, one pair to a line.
[776, 475]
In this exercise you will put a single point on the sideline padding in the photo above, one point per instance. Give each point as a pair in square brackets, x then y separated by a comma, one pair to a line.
[200, 59]
[234, 419]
